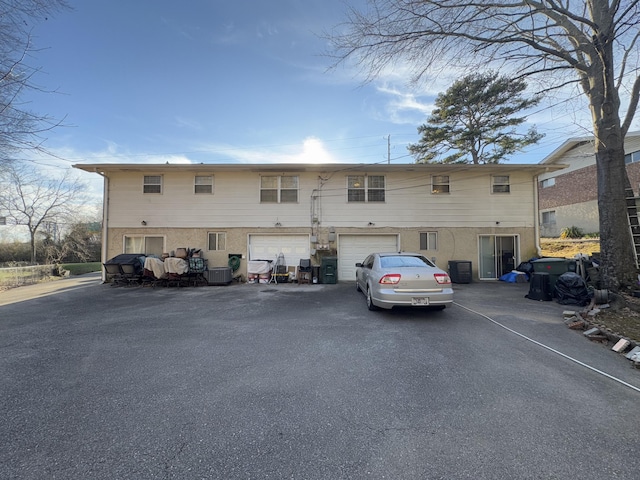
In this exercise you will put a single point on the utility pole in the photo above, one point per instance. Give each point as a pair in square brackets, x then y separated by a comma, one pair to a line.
[389, 149]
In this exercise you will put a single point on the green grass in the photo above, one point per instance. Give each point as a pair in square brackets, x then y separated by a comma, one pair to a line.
[80, 268]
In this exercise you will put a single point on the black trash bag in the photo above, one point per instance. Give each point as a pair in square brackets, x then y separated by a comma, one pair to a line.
[571, 289]
[526, 267]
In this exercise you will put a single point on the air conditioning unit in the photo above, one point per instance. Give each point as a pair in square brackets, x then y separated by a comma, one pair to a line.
[460, 271]
[219, 276]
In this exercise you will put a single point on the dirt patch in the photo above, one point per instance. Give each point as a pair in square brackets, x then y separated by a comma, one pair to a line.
[553, 247]
[622, 318]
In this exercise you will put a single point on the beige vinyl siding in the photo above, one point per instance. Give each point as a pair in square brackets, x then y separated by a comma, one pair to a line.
[236, 202]
[409, 203]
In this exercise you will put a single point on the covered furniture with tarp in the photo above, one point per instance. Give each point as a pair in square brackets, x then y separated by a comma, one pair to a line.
[571, 289]
[125, 269]
[184, 270]
[259, 271]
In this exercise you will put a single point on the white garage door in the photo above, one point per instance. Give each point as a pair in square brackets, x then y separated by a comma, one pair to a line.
[268, 247]
[355, 248]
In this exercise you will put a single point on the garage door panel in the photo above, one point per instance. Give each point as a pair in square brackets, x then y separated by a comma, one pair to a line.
[268, 247]
[355, 248]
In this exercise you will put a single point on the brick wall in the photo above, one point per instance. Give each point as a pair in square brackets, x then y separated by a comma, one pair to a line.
[580, 186]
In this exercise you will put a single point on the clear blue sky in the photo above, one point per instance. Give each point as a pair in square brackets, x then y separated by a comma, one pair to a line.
[226, 81]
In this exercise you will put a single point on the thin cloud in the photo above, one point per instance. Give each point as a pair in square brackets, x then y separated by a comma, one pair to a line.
[402, 106]
[310, 150]
[188, 123]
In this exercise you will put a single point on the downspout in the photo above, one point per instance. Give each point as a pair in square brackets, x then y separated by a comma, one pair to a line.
[536, 209]
[105, 223]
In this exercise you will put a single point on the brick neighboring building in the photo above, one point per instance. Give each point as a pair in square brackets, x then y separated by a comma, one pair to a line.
[569, 197]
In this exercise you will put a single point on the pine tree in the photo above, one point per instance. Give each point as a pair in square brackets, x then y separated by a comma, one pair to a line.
[474, 122]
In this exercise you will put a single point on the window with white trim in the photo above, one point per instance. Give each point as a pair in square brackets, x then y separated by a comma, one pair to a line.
[548, 182]
[152, 184]
[428, 240]
[632, 157]
[440, 184]
[203, 184]
[365, 188]
[278, 189]
[147, 245]
[549, 218]
[217, 241]
[500, 184]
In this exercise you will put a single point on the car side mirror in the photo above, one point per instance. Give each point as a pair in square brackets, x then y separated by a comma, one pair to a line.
[358, 264]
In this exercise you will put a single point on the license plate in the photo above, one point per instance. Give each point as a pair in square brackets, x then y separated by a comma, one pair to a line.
[419, 301]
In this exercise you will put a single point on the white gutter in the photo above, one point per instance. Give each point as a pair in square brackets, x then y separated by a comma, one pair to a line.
[536, 209]
[105, 223]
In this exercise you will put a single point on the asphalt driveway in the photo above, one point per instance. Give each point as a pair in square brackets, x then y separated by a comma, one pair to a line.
[302, 381]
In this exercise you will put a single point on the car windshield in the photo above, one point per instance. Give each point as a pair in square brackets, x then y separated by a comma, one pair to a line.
[404, 261]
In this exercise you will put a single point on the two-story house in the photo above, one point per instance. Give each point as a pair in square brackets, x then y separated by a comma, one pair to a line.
[486, 214]
[569, 198]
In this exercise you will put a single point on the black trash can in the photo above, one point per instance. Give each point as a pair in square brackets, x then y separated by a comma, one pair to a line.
[329, 269]
[540, 287]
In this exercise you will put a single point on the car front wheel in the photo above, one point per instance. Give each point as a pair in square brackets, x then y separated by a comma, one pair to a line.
[370, 304]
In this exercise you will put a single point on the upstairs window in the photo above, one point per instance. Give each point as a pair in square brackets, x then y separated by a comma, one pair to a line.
[288, 189]
[363, 188]
[278, 189]
[501, 184]
[203, 184]
[548, 182]
[440, 184]
[152, 184]
[355, 188]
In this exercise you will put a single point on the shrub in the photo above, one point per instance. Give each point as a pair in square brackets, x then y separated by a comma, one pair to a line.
[571, 232]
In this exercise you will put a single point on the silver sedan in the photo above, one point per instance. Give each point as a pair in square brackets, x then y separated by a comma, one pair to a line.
[403, 279]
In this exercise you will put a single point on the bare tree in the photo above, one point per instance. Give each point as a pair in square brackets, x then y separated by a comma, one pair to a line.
[33, 199]
[20, 128]
[592, 44]
[80, 243]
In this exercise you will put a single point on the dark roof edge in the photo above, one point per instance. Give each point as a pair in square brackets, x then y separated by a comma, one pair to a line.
[306, 167]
